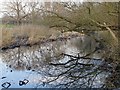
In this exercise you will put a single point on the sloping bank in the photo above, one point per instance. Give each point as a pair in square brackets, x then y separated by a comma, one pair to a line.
[24, 40]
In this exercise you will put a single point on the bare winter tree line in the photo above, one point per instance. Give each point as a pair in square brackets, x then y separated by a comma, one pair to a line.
[66, 16]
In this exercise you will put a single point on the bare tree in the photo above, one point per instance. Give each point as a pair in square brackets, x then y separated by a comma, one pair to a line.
[17, 10]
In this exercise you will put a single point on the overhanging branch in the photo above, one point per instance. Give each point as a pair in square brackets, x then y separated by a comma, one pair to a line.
[107, 27]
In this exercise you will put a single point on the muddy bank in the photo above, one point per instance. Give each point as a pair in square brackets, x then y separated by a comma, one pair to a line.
[24, 40]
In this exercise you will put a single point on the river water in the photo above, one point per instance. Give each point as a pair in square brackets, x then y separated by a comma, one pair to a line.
[29, 67]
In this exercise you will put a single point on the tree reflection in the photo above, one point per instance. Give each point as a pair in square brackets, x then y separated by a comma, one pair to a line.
[31, 57]
[77, 72]
[60, 67]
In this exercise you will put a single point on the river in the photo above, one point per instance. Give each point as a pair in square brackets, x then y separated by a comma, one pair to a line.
[36, 66]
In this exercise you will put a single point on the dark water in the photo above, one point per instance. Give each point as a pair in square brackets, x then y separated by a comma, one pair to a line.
[33, 65]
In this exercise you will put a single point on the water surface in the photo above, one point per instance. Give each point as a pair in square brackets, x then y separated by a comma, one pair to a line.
[33, 64]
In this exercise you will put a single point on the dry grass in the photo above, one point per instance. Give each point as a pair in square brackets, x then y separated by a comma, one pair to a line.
[0, 37]
[34, 32]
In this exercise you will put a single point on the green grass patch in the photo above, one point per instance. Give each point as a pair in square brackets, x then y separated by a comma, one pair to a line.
[7, 25]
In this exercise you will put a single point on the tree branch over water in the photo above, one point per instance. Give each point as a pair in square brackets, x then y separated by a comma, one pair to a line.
[107, 27]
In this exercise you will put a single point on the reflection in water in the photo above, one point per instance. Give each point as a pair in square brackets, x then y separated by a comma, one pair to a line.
[56, 64]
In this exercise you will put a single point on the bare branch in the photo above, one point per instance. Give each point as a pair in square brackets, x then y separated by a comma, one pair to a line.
[107, 27]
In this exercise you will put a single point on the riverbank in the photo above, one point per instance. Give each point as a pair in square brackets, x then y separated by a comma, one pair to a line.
[31, 33]
[25, 40]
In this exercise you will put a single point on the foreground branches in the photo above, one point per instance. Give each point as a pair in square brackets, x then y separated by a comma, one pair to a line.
[78, 71]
